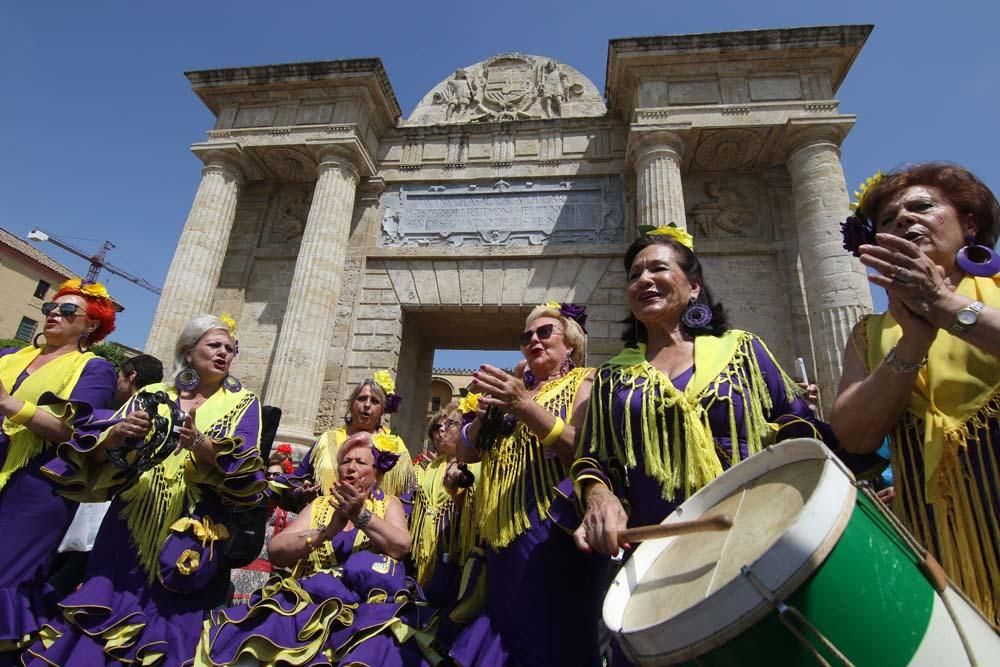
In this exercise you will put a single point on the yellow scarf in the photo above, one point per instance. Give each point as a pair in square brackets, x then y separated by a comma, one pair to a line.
[500, 511]
[58, 376]
[400, 479]
[433, 510]
[169, 490]
[323, 558]
[727, 359]
[953, 392]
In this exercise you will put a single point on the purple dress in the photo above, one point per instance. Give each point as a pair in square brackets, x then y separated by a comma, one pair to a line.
[34, 518]
[122, 614]
[361, 609]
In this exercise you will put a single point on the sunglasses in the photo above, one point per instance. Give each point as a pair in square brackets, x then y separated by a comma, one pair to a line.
[543, 332]
[445, 425]
[63, 309]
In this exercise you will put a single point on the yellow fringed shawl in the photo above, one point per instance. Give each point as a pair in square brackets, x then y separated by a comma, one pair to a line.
[58, 376]
[166, 491]
[685, 457]
[955, 400]
[434, 509]
[501, 512]
[400, 479]
[323, 558]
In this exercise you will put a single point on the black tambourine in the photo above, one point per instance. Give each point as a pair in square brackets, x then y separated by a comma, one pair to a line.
[136, 455]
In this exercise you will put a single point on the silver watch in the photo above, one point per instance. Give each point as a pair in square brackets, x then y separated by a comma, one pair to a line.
[966, 317]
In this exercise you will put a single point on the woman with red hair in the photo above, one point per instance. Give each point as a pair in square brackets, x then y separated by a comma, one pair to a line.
[46, 391]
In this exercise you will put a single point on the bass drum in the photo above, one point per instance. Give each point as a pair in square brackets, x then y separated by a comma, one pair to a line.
[812, 572]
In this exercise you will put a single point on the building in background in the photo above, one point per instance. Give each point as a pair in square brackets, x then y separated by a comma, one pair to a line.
[28, 278]
[447, 384]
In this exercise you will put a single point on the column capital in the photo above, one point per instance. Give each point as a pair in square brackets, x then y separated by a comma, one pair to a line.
[644, 144]
[805, 133]
[371, 189]
[229, 159]
[337, 157]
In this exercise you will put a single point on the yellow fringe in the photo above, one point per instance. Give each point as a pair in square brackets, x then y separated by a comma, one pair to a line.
[699, 462]
[501, 512]
[323, 558]
[964, 533]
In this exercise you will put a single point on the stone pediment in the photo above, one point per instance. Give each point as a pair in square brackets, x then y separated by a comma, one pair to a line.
[508, 87]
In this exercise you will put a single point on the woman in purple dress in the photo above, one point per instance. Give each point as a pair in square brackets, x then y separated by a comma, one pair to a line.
[157, 563]
[542, 601]
[687, 398]
[348, 600]
[46, 390]
[927, 372]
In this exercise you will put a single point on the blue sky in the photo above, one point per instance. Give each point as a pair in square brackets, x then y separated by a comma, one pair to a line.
[97, 116]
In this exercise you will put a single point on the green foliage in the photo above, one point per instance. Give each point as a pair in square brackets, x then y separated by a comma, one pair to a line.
[13, 342]
[113, 352]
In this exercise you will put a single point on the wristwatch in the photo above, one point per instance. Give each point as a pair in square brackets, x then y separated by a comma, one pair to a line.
[364, 516]
[966, 317]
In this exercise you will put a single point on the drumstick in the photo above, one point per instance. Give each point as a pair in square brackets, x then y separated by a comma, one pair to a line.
[800, 368]
[642, 533]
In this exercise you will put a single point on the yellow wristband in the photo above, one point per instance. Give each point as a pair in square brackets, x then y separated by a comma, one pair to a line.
[554, 434]
[24, 415]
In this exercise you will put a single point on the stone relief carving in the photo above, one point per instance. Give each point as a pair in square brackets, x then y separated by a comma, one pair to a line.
[502, 212]
[288, 215]
[726, 150]
[723, 211]
[509, 87]
[290, 165]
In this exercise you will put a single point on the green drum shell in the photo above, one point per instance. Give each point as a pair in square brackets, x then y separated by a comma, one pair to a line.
[869, 598]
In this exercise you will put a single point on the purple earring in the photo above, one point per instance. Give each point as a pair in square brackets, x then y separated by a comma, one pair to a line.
[187, 380]
[978, 260]
[697, 315]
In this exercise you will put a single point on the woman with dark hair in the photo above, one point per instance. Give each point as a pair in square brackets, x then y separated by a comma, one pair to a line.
[685, 400]
[46, 391]
[158, 560]
[926, 373]
[317, 473]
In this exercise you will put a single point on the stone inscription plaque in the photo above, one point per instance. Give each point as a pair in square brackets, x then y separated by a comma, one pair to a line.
[504, 213]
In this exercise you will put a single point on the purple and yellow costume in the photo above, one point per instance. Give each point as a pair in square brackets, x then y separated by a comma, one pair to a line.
[156, 564]
[32, 517]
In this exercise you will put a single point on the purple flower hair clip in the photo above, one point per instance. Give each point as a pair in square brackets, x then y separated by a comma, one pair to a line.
[857, 231]
[392, 402]
[576, 313]
[384, 461]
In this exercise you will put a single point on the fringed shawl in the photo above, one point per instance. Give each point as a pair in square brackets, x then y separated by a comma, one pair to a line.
[520, 460]
[677, 442]
[323, 558]
[434, 524]
[946, 463]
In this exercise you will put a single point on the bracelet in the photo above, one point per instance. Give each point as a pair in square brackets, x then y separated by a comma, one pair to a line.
[900, 366]
[24, 415]
[554, 434]
[364, 516]
[464, 431]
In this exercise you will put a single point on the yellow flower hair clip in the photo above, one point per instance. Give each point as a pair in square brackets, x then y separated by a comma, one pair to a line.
[387, 442]
[671, 230]
[392, 400]
[86, 287]
[863, 189]
[230, 322]
[469, 403]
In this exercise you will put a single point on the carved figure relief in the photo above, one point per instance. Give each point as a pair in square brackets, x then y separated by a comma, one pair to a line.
[724, 212]
[509, 87]
[289, 214]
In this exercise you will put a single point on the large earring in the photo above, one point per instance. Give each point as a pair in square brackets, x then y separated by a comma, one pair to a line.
[83, 342]
[187, 380]
[34, 341]
[566, 365]
[697, 315]
[978, 260]
[232, 384]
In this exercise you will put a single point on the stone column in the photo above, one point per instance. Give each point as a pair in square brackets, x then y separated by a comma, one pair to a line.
[194, 270]
[299, 363]
[659, 195]
[836, 289]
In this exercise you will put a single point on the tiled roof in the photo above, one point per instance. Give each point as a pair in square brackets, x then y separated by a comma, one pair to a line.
[33, 253]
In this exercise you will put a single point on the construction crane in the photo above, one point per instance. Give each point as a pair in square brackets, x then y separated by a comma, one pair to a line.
[96, 260]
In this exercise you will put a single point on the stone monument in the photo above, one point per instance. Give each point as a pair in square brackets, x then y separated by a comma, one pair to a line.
[346, 239]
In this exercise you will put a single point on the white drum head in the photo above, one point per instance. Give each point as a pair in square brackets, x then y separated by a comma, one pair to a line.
[678, 597]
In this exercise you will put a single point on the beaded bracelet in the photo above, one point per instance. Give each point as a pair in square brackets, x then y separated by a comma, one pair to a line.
[902, 367]
[554, 434]
[24, 415]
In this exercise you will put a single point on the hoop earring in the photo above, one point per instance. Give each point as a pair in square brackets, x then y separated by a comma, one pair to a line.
[697, 315]
[187, 380]
[232, 384]
[978, 260]
[34, 341]
[83, 342]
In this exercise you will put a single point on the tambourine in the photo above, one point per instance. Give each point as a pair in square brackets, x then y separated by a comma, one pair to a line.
[137, 455]
[496, 424]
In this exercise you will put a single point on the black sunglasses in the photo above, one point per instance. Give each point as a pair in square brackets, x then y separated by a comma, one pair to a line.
[64, 309]
[543, 332]
[445, 425]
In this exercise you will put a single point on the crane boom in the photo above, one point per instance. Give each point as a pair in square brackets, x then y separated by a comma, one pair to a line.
[96, 260]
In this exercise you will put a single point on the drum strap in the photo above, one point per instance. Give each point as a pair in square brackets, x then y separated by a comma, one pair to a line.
[797, 623]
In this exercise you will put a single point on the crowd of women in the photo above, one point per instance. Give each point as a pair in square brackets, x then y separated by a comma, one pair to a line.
[496, 544]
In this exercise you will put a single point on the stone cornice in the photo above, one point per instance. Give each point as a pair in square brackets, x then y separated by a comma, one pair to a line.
[842, 42]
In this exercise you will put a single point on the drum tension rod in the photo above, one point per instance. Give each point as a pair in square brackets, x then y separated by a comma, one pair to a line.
[789, 615]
